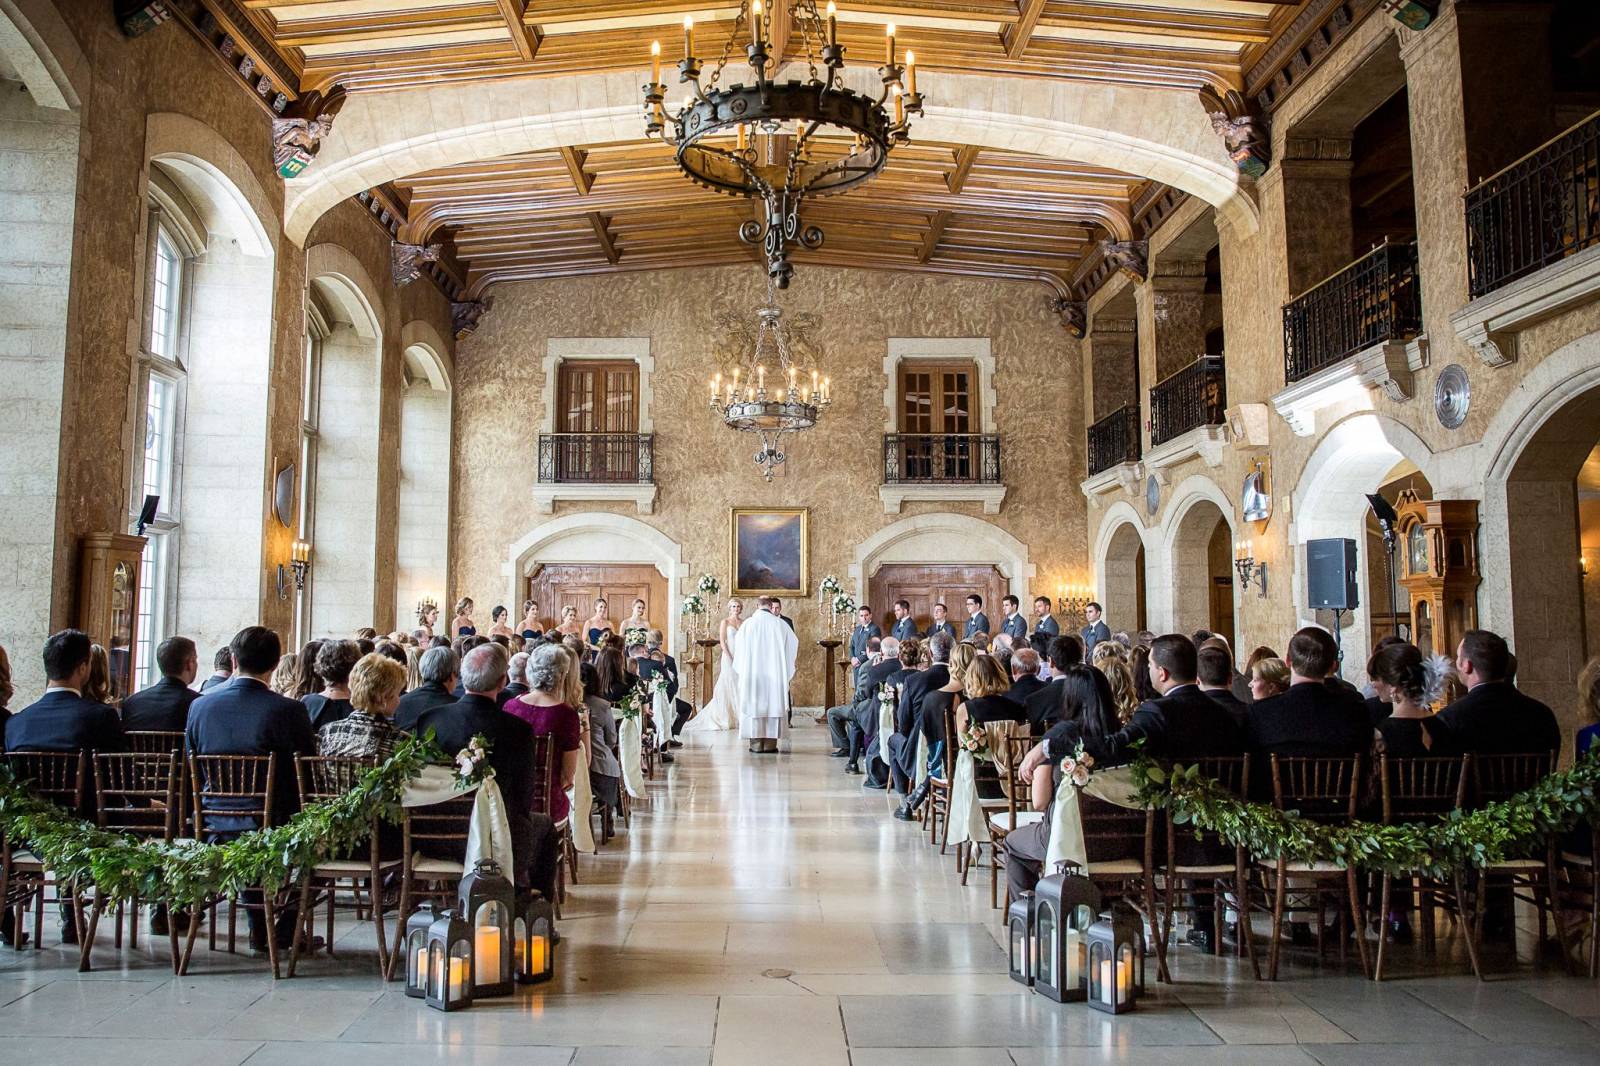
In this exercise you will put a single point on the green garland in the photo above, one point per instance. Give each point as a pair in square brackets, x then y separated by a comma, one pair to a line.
[122, 866]
[1510, 828]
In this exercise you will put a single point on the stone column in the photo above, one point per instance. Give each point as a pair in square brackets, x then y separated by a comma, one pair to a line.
[1172, 318]
[1112, 350]
[1317, 234]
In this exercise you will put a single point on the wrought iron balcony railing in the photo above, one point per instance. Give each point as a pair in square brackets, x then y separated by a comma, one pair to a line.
[1114, 439]
[1540, 209]
[597, 459]
[1195, 396]
[1374, 300]
[941, 458]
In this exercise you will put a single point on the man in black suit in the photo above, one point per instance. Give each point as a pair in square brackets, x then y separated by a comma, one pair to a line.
[905, 626]
[941, 624]
[221, 669]
[908, 724]
[861, 721]
[1313, 718]
[866, 629]
[1494, 717]
[878, 750]
[977, 621]
[1025, 679]
[517, 685]
[164, 706]
[245, 717]
[533, 836]
[839, 715]
[437, 668]
[1013, 624]
[658, 662]
[1044, 706]
[1216, 680]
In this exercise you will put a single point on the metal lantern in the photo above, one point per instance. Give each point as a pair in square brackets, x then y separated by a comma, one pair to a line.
[534, 933]
[1116, 960]
[1067, 902]
[449, 963]
[1023, 949]
[486, 899]
[415, 945]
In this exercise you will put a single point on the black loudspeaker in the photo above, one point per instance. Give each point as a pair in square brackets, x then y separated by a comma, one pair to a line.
[148, 513]
[1331, 575]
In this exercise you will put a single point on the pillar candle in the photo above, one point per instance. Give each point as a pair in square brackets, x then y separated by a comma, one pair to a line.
[486, 954]
[458, 977]
[1105, 981]
[888, 43]
[538, 953]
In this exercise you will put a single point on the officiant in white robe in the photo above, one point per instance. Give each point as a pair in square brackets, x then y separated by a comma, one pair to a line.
[764, 659]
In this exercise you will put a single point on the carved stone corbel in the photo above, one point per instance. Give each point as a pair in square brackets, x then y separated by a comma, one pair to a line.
[406, 260]
[1130, 257]
[1074, 315]
[465, 314]
[296, 139]
[1243, 131]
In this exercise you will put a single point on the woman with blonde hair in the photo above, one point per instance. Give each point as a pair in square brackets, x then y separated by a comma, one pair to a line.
[98, 687]
[1589, 706]
[376, 683]
[569, 626]
[461, 625]
[1119, 675]
[286, 675]
[1269, 677]
[413, 666]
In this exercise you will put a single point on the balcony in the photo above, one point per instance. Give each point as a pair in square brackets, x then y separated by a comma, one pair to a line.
[596, 467]
[1532, 236]
[1114, 445]
[946, 467]
[1188, 415]
[1359, 329]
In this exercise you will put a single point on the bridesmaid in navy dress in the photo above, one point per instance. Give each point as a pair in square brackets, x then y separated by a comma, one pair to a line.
[530, 620]
[600, 624]
[461, 625]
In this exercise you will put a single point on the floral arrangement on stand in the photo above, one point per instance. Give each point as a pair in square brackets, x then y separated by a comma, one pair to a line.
[708, 586]
[693, 612]
[826, 591]
[843, 606]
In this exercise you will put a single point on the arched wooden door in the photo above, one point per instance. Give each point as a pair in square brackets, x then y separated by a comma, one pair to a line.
[555, 585]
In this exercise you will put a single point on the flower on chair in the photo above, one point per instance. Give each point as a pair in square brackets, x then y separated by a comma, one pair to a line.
[472, 763]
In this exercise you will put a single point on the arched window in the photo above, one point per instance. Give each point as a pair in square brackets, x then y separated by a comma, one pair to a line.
[423, 537]
[317, 330]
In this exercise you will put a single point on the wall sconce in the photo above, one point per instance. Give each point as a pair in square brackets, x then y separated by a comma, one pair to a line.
[299, 565]
[1244, 562]
[1583, 566]
[1073, 603]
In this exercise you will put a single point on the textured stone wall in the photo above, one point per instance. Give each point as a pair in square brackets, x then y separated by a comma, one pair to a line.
[703, 469]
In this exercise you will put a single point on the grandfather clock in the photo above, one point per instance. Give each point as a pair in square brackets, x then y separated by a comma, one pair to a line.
[1439, 569]
[108, 600]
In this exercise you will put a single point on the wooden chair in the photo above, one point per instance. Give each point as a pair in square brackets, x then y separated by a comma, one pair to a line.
[1326, 790]
[1496, 778]
[1225, 878]
[137, 793]
[1418, 790]
[1582, 885]
[159, 742]
[61, 778]
[938, 802]
[322, 778]
[999, 736]
[1120, 846]
[440, 828]
[228, 789]
[1016, 813]
[546, 773]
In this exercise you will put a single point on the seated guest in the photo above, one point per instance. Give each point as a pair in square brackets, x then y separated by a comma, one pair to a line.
[1119, 675]
[376, 683]
[164, 706]
[861, 726]
[656, 662]
[1378, 704]
[61, 719]
[335, 660]
[902, 747]
[437, 669]
[935, 704]
[615, 679]
[1216, 680]
[533, 837]
[1408, 684]
[877, 749]
[1045, 705]
[1025, 679]
[605, 770]
[1494, 717]
[286, 674]
[221, 669]
[838, 715]
[1312, 718]
[392, 651]
[1089, 715]
[245, 717]
[1139, 665]
[517, 669]
[1268, 677]
[1588, 705]
[548, 714]
[306, 680]
[98, 688]
[986, 687]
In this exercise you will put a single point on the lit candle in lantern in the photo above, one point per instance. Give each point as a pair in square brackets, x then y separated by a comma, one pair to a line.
[888, 43]
[911, 72]
[538, 952]
[755, 30]
[1105, 981]
[458, 978]
[486, 954]
[688, 36]
[1074, 953]
[655, 62]
[833, 23]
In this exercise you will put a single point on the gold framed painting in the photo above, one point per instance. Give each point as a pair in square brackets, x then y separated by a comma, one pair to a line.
[768, 549]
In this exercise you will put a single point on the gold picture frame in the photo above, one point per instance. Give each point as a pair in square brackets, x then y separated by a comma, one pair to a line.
[769, 551]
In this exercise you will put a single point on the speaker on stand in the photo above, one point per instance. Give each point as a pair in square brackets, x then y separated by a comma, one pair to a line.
[1331, 580]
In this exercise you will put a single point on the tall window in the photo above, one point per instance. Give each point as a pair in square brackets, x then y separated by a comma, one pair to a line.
[310, 415]
[935, 416]
[597, 414]
[161, 376]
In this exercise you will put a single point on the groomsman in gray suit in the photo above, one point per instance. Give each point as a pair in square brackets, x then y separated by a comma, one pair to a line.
[1013, 624]
[864, 631]
[977, 621]
[1043, 621]
[905, 627]
[941, 624]
[1095, 631]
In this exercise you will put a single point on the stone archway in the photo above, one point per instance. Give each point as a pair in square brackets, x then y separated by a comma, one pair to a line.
[1183, 595]
[590, 535]
[1119, 561]
[1535, 446]
[944, 537]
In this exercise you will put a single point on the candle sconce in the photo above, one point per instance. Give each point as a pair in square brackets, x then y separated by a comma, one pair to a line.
[1244, 562]
[299, 566]
[1073, 605]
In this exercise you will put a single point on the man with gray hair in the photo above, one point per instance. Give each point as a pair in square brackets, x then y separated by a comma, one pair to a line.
[510, 743]
[517, 685]
[871, 654]
[908, 723]
[862, 723]
[437, 668]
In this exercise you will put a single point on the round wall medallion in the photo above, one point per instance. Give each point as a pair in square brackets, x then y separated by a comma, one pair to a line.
[1452, 396]
[1152, 495]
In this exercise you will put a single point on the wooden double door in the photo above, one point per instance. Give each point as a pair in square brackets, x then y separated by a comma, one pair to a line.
[923, 585]
[553, 586]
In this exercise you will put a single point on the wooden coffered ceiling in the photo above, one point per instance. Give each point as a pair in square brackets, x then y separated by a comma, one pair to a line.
[617, 207]
[372, 44]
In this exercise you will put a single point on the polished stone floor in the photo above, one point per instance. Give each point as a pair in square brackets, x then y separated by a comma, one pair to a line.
[767, 911]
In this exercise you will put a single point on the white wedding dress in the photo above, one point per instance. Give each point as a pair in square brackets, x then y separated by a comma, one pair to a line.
[721, 712]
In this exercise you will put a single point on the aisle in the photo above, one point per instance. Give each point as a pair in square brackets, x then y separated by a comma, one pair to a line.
[767, 911]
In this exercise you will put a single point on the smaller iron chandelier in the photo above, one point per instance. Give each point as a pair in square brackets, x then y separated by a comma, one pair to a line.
[782, 143]
[743, 399]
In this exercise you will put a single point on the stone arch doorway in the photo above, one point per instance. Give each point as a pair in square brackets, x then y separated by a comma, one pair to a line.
[944, 537]
[1120, 565]
[1200, 568]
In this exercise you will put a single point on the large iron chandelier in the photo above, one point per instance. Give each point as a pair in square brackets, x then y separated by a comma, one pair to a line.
[782, 143]
[792, 403]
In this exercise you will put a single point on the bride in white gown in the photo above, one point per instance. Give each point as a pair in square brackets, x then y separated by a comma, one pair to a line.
[722, 710]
